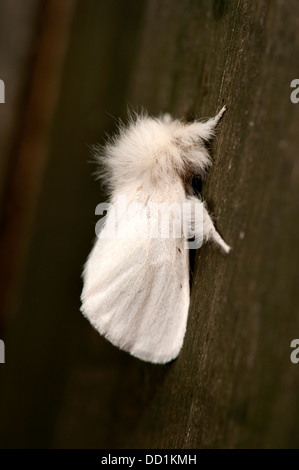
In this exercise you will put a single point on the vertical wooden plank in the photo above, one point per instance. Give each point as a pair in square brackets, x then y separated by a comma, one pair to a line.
[234, 384]
[22, 188]
[19, 23]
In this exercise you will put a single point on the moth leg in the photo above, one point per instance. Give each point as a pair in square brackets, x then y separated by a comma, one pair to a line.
[204, 130]
[210, 232]
[215, 120]
[208, 127]
[202, 226]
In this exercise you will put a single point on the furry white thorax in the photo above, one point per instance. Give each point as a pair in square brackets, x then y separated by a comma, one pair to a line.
[154, 152]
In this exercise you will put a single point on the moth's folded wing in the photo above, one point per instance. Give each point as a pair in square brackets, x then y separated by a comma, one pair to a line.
[136, 294]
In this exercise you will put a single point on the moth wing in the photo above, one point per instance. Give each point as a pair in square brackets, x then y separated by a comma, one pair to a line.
[136, 293]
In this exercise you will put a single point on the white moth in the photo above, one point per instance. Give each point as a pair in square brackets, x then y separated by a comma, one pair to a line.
[136, 289]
